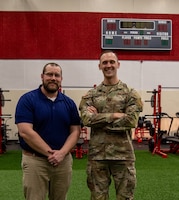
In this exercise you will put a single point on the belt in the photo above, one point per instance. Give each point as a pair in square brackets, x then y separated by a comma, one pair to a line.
[35, 154]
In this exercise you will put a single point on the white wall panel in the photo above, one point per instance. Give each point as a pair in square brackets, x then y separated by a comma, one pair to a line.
[25, 74]
[160, 73]
[156, 6]
[12, 74]
[130, 73]
[123, 6]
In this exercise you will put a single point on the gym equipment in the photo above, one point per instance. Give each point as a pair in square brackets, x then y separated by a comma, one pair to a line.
[172, 140]
[158, 135]
[155, 141]
[3, 125]
[144, 127]
[82, 144]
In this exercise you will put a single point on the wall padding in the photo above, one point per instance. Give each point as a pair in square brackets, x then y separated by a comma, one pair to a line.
[69, 35]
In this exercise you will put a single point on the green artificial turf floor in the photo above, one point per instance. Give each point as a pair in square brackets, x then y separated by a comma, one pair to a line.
[157, 177]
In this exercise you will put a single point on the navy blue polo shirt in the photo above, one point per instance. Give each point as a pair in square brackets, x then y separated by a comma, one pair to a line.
[50, 119]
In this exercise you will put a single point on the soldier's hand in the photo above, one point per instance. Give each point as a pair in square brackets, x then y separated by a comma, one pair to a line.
[118, 115]
[92, 109]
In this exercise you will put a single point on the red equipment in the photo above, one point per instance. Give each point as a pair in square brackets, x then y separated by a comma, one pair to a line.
[158, 133]
[81, 146]
[157, 137]
[142, 131]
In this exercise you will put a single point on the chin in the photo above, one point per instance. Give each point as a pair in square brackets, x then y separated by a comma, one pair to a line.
[52, 89]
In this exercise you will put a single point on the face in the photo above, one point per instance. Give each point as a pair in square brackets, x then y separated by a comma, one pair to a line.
[109, 64]
[52, 78]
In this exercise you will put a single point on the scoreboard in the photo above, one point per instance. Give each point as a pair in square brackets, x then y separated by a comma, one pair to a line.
[136, 34]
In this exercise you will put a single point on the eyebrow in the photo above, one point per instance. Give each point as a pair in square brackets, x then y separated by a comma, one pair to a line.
[106, 61]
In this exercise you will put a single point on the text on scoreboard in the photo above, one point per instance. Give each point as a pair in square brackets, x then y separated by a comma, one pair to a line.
[137, 34]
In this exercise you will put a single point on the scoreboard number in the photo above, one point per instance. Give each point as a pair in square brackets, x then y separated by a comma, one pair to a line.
[136, 34]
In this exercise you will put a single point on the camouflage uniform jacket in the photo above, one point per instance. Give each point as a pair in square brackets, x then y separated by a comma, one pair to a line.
[111, 140]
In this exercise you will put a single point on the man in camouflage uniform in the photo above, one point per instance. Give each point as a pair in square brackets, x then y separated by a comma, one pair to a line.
[111, 110]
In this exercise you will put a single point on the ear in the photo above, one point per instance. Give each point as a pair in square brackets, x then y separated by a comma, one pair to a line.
[118, 65]
[99, 66]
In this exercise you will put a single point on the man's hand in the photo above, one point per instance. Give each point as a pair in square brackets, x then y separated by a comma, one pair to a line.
[92, 109]
[55, 157]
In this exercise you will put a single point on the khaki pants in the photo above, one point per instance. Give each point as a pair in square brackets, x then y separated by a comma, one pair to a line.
[99, 175]
[41, 178]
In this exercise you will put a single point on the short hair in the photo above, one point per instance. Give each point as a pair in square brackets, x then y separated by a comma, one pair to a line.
[108, 51]
[51, 64]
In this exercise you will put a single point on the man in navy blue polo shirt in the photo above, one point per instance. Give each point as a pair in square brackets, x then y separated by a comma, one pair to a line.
[49, 126]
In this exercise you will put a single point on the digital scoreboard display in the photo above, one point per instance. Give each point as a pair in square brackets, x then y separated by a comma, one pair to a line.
[137, 34]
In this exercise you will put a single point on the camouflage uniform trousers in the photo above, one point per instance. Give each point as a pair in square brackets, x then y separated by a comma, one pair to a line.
[99, 175]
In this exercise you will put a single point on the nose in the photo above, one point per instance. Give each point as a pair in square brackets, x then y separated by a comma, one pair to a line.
[53, 76]
[108, 64]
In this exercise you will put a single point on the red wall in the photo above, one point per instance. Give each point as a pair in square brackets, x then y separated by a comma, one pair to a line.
[69, 35]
